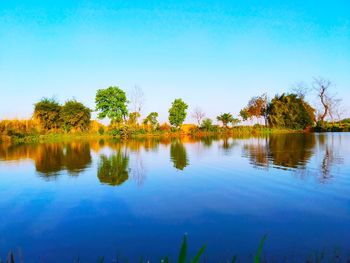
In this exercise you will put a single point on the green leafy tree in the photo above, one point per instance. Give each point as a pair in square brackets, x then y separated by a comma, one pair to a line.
[47, 113]
[245, 115]
[151, 120]
[225, 118]
[207, 124]
[177, 113]
[75, 115]
[235, 121]
[290, 111]
[111, 103]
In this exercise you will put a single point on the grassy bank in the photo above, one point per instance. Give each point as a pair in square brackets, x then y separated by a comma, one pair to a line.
[197, 133]
[28, 131]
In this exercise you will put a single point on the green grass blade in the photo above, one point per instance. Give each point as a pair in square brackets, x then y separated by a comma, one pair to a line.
[101, 260]
[234, 259]
[165, 260]
[260, 249]
[199, 254]
[183, 251]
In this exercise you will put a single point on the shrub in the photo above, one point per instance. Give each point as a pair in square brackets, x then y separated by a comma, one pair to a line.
[75, 116]
[165, 127]
[101, 130]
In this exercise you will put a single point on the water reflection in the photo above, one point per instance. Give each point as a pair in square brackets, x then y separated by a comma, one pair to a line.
[51, 158]
[125, 159]
[113, 170]
[223, 196]
[284, 151]
[227, 144]
[295, 151]
[257, 151]
[331, 155]
[178, 155]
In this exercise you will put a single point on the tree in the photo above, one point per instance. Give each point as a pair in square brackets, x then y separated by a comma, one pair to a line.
[301, 89]
[207, 124]
[330, 103]
[198, 114]
[133, 118]
[111, 103]
[177, 113]
[245, 115]
[75, 115]
[257, 107]
[137, 99]
[151, 120]
[235, 121]
[47, 112]
[290, 111]
[225, 118]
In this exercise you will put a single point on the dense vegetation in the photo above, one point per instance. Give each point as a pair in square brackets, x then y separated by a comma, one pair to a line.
[289, 111]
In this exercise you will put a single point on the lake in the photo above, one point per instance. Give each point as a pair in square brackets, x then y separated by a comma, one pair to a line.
[127, 199]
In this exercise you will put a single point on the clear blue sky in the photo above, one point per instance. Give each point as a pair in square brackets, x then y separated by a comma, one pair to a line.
[213, 54]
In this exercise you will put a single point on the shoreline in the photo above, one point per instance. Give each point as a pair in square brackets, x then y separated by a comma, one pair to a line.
[239, 132]
[62, 137]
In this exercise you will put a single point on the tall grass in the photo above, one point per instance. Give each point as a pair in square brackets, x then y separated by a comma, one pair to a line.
[183, 257]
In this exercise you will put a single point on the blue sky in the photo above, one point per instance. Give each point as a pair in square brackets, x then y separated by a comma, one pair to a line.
[213, 54]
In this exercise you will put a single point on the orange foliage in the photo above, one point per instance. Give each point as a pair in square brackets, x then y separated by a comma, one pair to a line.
[19, 127]
[165, 127]
[187, 128]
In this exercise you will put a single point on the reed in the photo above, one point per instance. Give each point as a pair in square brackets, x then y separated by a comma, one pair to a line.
[183, 257]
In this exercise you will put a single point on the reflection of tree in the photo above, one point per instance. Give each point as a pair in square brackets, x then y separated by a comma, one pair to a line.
[151, 144]
[49, 159]
[113, 170]
[207, 141]
[134, 145]
[178, 155]
[330, 158]
[227, 144]
[291, 150]
[257, 152]
[138, 170]
[52, 158]
[283, 150]
[77, 157]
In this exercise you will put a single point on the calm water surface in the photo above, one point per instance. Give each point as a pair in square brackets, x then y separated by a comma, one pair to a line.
[137, 198]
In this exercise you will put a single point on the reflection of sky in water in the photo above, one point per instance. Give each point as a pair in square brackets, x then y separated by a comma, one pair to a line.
[228, 194]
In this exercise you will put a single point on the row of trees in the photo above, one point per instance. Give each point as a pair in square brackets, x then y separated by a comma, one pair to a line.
[283, 111]
[292, 110]
[73, 115]
[112, 103]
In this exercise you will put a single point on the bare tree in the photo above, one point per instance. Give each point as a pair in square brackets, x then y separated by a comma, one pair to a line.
[340, 112]
[137, 99]
[198, 114]
[330, 104]
[301, 89]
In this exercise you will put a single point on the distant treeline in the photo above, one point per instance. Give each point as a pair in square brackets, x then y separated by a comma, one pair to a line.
[287, 111]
